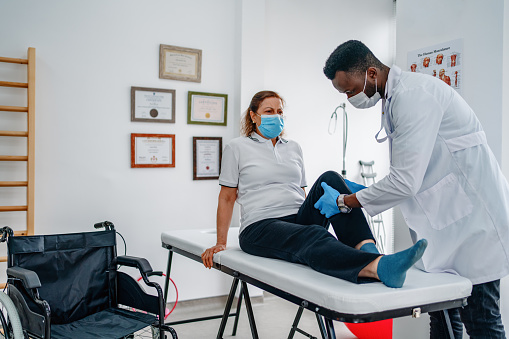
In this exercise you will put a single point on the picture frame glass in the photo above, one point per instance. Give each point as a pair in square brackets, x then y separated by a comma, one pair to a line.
[152, 150]
[207, 108]
[152, 105]
[207, 153]
[180, 63]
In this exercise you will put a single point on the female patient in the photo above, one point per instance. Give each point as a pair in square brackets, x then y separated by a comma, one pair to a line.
[264, 173]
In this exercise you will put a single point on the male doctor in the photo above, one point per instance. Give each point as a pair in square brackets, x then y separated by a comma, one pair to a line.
[443, 176]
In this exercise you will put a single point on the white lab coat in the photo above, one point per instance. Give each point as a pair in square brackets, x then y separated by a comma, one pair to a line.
[444, 177]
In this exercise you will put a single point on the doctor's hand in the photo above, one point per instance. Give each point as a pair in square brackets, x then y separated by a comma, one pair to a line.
[208, 256]
[353, 186]
[327, 204]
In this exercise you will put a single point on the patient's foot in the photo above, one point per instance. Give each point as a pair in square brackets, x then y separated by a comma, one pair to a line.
[370, 248]
[392, 268]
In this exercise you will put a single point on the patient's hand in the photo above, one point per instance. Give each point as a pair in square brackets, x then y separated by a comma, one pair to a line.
[208, 255]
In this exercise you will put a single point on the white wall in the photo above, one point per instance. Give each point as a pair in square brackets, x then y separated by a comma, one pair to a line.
[480, 25]
[89, 54]
[300, 36]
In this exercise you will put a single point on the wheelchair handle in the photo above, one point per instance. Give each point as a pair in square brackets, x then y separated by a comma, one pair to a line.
[6, 231]
[106, 224]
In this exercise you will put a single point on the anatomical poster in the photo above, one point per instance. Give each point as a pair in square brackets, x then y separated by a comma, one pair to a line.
[443, 61]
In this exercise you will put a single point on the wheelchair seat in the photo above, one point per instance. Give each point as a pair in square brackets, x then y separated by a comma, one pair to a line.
[69, 286]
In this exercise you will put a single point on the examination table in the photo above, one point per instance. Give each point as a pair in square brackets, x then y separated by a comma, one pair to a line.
[328, 297]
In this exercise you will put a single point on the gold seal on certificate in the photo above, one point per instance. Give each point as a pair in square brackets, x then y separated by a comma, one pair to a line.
[152, 104]
[207, 108]
[206, 157]
[152, 150]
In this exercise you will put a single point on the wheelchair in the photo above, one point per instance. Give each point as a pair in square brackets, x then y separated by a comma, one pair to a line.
[70, 286]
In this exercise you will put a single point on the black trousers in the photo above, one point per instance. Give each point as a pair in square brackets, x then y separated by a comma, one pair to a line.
[481, 316]
[304, 238]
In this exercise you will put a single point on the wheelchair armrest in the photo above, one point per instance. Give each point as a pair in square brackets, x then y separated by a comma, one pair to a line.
[142, 263]
[30, 278]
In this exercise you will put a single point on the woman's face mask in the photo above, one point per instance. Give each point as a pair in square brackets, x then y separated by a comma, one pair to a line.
[271, 125]
[361, 100]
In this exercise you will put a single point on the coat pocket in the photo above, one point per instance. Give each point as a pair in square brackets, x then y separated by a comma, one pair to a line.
[445, 203]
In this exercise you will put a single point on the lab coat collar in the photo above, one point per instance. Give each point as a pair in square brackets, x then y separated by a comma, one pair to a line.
[258, 138]
[392, 81]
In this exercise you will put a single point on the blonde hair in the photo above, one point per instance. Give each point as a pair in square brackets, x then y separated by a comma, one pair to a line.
[247, 126]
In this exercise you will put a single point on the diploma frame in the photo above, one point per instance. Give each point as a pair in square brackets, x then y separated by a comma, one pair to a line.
[185, 68]
[216, 163]
[135, 152]
[136, 110]
[196, 110]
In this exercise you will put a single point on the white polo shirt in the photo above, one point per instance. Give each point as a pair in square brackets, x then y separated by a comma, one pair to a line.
[269, 178]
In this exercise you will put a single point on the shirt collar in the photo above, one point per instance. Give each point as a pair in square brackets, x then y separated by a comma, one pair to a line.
[258, 138]
[392, 81]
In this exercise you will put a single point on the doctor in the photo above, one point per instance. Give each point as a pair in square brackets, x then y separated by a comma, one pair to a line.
[443, 176]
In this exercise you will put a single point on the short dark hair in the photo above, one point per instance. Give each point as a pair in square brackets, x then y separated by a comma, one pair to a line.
[351, 57]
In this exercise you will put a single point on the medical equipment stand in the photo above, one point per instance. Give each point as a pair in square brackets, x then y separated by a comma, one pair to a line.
[376, 223]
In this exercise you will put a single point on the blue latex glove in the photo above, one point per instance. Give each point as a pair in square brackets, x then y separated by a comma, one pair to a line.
[327, 203]
[353, 186]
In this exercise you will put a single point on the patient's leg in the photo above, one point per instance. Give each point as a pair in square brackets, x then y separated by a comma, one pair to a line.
[314, 246]
[311, 245]
[350, 228]
[391, 269]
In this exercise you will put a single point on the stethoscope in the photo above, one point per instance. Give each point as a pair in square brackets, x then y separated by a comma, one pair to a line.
[332, 130]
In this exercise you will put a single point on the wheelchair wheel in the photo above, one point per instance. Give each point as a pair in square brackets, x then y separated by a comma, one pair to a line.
[149, 332]
[152, 332]
[11, 325]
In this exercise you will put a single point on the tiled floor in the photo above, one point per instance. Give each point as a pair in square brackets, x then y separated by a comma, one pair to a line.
[274, 317]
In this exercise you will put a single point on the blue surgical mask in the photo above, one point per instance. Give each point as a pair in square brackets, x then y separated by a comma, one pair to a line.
[271, 126]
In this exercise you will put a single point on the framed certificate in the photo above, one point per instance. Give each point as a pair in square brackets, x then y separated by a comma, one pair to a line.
[207, 108]
[152, 104]
[179, 63]
[207, 152]
[152, 150]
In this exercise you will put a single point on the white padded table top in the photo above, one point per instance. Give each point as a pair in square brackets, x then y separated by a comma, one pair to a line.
[420, 288]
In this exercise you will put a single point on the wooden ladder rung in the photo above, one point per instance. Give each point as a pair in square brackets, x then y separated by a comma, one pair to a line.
[3, 259]
[13, 183]
[14, 84]
[13, 134]
[13, 158]
[14, 60]
[13, 109]
[12, 208]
